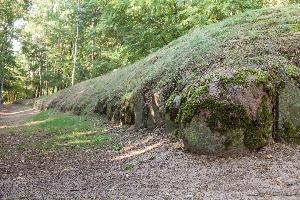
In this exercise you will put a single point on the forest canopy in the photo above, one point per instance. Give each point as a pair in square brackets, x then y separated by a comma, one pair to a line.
[48, 45]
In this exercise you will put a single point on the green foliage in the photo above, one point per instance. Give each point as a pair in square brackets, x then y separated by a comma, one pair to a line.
[10, 11]
[112, 34]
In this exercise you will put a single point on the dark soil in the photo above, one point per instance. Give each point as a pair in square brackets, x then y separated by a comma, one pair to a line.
[149, 166]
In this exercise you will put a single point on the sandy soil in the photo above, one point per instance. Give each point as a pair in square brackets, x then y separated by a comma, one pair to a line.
[149, 166]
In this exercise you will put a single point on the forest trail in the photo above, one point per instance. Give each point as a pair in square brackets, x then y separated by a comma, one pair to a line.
[149, 166]
[15, 114]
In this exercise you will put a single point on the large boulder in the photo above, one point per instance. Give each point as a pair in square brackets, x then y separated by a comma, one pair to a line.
[226, 118]
[289, 113]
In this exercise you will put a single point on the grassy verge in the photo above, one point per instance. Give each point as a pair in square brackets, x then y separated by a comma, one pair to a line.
[56, 130]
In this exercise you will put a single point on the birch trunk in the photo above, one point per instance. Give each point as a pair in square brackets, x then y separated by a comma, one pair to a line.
[47, 78]
[1, 90]
[40, 82]
[76, 43]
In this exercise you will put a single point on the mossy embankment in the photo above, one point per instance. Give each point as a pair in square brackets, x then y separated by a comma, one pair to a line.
[217, 87]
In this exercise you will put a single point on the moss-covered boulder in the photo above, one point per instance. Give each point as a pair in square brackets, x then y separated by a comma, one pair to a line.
[289, 113]
[219, 88]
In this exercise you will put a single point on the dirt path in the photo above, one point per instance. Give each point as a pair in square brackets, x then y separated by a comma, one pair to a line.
[148, 167]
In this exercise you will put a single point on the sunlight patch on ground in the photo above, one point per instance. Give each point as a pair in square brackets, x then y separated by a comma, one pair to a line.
[76, 134]
[79, 142]
[138, 152]
[77, 139]
[19, 112]
[143, 142]
[24, 125]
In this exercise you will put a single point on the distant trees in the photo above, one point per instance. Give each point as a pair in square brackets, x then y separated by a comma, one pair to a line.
[68, 41]
[10, 11]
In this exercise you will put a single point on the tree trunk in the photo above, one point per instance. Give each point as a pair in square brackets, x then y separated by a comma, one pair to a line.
[1, 90]
[76, 43]
[93, 44]
[93, 53]
[4, 49]
[40, 82]
[47, 78]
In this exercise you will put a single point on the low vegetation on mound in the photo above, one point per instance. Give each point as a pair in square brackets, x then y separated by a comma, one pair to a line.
[219, 88]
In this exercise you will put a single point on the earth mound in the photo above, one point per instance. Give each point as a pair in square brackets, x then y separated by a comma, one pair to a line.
[230, 86]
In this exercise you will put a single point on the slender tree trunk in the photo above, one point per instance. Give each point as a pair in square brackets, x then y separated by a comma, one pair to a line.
[1, 89]
[76, 42]
[4, 49]
[36, 92]
[26, 90]
[93, 53]
[93, 45]
[40, 82]
[47, 78]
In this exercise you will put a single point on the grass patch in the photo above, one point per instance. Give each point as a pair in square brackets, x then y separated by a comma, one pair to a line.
[62, 130]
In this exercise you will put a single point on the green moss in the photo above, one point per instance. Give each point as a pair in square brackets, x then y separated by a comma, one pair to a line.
[190, 102]
[242, 77]
[192, 138]
[234, 138]
[237, 79]
[170, 102]
[232, 121]
[224, 116]
[127, 110]
[288, 127]
[178, 134]
[260, 76]
[290, 133]
[127, 97]
[292, 71]
[227, 118]
[258, 132]
[109, 110]
[295, 27]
